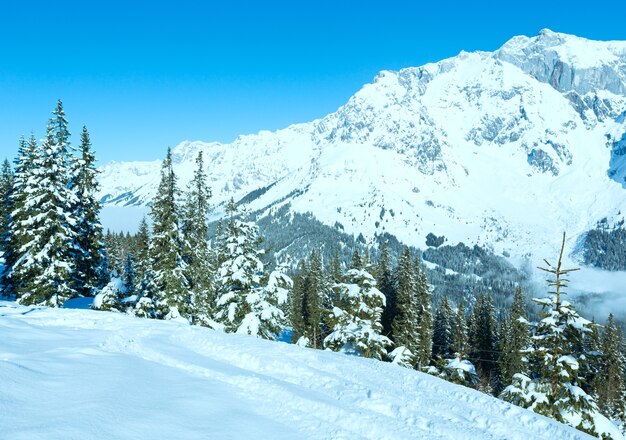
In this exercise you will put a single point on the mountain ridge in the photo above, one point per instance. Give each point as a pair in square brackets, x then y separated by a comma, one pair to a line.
[504, 149]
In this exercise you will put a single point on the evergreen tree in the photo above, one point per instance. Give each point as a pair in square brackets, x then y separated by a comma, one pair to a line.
[165, 248]
[45, 268]
[425, 340]
[442, 331]
[130, 287]
[245, 303]
[197, 253]
[6, 208]
[460, 342]
[91, 263]
[406, 322]
[308, 301]
[514, 345]
[609, 386]
[554, 390]
[355, 317]
[20, 235]
[141, 250]
[483, 337]
[385, 283]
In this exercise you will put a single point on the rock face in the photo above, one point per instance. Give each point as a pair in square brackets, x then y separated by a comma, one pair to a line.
[505, 149]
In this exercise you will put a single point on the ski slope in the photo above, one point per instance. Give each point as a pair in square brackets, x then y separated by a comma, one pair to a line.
[81, 374]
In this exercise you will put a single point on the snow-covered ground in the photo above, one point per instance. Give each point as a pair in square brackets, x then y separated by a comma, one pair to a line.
[81, 374]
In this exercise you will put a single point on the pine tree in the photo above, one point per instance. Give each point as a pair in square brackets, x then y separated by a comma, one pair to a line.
[141, 250]
[165, 248]
[554, 390]
[355, 317]
[425, 344]
[19, 235]
[91, 263]
[6, 208]
[385, 283]
[609, 386]
[460, 342]
[514, 345]
[195, 230]
[483, 337]
[406, 322]
[130, 287]
[46, 265]
[245, 303]
[442, 331]
[308, 301]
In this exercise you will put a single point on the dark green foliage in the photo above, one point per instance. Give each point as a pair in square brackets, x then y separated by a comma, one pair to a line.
[605, 247]
[385, 283]
[608, 386]
[309, 295]
[483, 338]
[6, 207]
[130, 281]
[406, 323]
[166, 247]
[514, 341]
[91, 263]
[443, 331]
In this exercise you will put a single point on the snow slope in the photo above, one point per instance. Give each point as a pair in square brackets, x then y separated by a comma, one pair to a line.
[77, 374]
[505, 149]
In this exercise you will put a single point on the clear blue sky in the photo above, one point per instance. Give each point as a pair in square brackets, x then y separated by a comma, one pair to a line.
[145, 75]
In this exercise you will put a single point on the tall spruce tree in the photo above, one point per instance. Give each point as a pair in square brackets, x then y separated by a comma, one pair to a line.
[443, 331]
[91, 263]
[406, 322]
[45, 269]
[483, 337]
[196, 251]
[6, 208]
[166, 259]
[385, 283]
[308, 301]
[514, 345]
[425, 341]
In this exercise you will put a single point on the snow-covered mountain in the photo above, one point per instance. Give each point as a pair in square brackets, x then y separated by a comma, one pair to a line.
[80, 374]
[506, 149]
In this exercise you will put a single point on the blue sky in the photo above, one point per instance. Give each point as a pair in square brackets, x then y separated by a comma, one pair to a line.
[145, 75]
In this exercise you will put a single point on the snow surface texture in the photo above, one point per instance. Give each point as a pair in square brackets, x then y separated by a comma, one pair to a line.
[506, 149]
[77, 374]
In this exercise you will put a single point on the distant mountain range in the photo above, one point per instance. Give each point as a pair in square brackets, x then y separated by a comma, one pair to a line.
[504, 149]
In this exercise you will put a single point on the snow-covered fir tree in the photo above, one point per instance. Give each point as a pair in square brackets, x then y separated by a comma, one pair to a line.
[45, 267]
[172, 296]
[405, 324]
[246, 303]
[355, 317]
[110, 297]
[425, 342]
[91, 263]
[196, 250]
[555, 388]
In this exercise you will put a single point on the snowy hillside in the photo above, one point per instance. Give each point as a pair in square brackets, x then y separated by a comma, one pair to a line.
[76, 374]
[507, 149]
